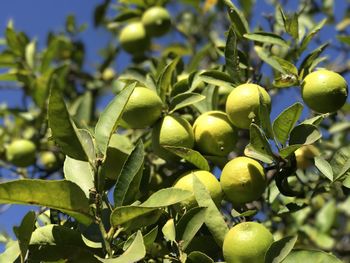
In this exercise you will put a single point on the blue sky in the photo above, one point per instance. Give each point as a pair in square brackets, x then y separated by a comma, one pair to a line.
[38, 17]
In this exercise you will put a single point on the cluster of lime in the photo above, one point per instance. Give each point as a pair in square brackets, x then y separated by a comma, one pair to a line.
[215, 133]
[135, 36]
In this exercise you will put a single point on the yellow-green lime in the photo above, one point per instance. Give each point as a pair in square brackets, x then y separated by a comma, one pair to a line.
[21, 152]
[324, 91]
[210, 182]
[243, 103]
[143, 108]
[49, 160]
[156, 20]
[243, 180]
[172, 130]
[305, 156]
[214, 134]
[247, 242]
[133, 38]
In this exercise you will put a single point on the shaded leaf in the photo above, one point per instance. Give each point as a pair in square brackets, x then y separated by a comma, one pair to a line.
[266, 37]
[183, 100]
[213, 218]
[123, 214]
[24, 233]
[164, 80]
[325, 218]
[304, 134]
[108, 120]
[285, 121]
[258, 147]
[269, 59]
[63, 128]
[189, 224]
[305, 65]
[197, 256]
[166, 197]
[216, 78]
[304, 43]
[189, 155]
[130, 169]
[231, 55]
[280, 249]
[324, 167]
[303, 255]
[237, 18]
[71, 201]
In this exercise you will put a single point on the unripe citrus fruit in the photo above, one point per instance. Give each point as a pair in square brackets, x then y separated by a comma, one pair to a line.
[21, 152]
[49, 160]
[156, 21]
[324, 91]
[305, 155]
[118, 151]
[143, 108]
[171, 131]
[133, 38]
[214, 134]
[243, 180]
[247, 242]
[243, 103]
[208, 179]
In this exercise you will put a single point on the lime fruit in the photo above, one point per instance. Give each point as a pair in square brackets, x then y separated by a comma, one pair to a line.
[143, 108]
[243, 180]
[21, 152]
[305, 156]
[172, 130]
[214, 134]
[49, 160]
[133, 38]
[156, 20]
[324, 91]
[247, 242]
[243, 103]
[210, 182]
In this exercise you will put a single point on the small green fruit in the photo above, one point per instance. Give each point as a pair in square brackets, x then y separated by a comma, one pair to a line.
[49, 160]
[21, 153]
[133, 38]
[157, 21]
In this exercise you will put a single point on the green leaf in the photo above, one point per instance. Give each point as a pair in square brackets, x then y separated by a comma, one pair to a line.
[189, 225]
[285, 121]
[269, 59]
[168, 230]
[198, 57]
[164, 80]
[286, 151]
[134, 253]
[197, 256]
[166, 197]
[124, 214]
[213, 218]
[239, 22]
[24, 233]
[258, 147]
[79, 172]
[150, 237]
[280, 249]
[231, 55]
[325, 218]
[210, 102]
[108, 121]
[57, 235]
[71, 201]
[183, 100]
[189, 155]
[314, 256]
[304, 134]
[30, 54]
[235, 213]
[344, 39]
[292, 26]
[264, 117]
[322, 240]
[130, 169]
[340, 162]
[324, 167]
[305, 42]
[306, 64]
[286, 65]
[217, 78]
[15, 43]
[266, 37]
[63, 128]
